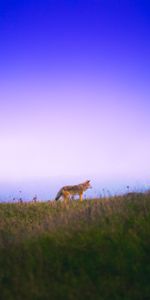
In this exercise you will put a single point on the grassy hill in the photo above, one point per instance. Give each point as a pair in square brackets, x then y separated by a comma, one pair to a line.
[97, 249]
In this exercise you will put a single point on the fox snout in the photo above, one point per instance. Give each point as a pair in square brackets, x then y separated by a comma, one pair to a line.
[89, 184]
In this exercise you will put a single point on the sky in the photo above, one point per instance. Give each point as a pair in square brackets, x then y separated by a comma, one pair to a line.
[74, 93]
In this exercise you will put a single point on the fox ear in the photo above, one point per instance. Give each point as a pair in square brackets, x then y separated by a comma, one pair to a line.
[88, 180]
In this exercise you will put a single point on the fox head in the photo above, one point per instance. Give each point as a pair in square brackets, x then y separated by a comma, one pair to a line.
[87, 184]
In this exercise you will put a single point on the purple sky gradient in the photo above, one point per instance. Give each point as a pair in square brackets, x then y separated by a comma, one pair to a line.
[75, 91]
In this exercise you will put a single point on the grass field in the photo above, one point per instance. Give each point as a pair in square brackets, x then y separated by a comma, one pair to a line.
[97, 249]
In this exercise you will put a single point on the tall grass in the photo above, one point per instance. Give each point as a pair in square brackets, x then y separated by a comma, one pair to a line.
[97, 249]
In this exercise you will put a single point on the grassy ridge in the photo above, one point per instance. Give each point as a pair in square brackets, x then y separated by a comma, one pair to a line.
[98, 249]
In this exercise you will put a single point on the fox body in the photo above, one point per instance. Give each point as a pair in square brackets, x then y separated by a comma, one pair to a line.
[71, 190]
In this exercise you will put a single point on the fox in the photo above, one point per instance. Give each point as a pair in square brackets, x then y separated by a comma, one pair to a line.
[69, 191]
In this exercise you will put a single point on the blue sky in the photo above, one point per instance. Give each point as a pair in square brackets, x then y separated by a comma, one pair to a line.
[75, 91]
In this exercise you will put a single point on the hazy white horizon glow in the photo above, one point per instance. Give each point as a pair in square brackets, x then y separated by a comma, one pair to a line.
[90, 131]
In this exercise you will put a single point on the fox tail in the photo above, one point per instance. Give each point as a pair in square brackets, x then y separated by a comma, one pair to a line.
[58, 195]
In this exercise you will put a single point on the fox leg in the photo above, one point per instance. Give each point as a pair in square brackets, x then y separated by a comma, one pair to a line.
[66, 195]
[80, 195]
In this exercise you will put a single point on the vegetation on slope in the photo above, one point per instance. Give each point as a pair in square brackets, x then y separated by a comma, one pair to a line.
[97, 249]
